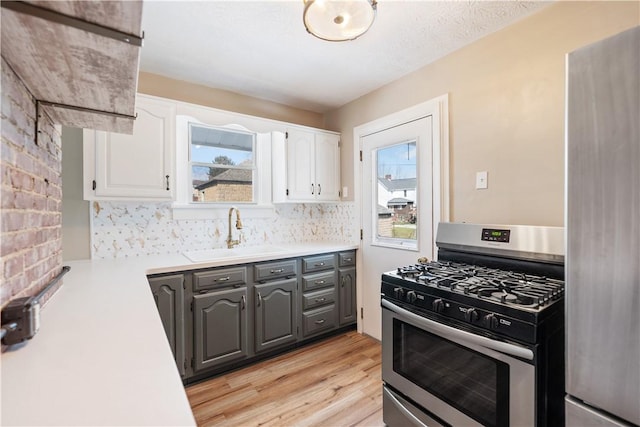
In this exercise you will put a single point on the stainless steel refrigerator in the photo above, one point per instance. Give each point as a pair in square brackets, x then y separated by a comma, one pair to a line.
[603, 233]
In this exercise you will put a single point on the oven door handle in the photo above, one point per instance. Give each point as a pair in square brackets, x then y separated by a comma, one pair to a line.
[449, 332]
[407, 413]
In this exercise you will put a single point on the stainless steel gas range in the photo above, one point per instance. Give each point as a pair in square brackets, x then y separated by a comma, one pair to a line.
[476, 337]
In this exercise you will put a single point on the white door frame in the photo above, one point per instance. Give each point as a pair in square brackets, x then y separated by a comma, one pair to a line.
[438, 108]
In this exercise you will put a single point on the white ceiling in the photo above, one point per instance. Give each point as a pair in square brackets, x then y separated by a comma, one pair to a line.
[261, 48]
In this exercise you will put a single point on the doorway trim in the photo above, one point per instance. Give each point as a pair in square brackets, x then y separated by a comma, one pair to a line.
[438, 108]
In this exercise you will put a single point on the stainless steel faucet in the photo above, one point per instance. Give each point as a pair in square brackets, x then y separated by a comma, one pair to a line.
[230, 242]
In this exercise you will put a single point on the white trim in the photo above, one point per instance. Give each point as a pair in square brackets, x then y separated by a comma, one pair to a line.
[438, 108]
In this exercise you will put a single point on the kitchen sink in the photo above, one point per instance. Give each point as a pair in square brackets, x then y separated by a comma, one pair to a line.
[224, 253]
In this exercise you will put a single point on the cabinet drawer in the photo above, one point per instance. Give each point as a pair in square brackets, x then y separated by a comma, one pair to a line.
[204, 280]
[322, 319]
[317, 281]
[318, 263]
[346, 259]
[319, 298]
[275, 270]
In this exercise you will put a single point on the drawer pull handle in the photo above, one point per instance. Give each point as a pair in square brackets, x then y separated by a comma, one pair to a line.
[223, 279]
[348, 259]
[320, 299]
[320, 282]
[277, 270]
[319, 264]
[319, 322]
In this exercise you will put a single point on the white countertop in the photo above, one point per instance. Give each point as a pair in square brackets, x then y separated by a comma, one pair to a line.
[101, 356]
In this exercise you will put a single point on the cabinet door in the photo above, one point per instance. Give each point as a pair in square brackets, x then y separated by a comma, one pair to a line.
[168, 293]
[138, 165]
[347, 283]
[327, 166]
[275, 314]
[300, 165]
[220, 327]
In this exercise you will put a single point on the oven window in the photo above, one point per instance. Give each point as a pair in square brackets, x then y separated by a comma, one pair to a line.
[471, 382]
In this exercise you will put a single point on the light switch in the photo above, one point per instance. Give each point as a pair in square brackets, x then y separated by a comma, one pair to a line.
[481, 180]
[345, 191]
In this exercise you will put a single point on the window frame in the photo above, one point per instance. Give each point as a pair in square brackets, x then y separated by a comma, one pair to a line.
[255, 176]
[385, 241]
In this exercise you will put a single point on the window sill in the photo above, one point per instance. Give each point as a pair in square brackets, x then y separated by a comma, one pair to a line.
[220, 211]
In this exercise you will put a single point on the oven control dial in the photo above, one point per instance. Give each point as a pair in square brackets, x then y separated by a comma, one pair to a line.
[490, 321]
[438, 305]
[399, 293]
[471, 315]
[411, 296]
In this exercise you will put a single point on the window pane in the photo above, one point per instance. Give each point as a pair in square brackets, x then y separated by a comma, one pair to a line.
[397, 191]
[222, 164]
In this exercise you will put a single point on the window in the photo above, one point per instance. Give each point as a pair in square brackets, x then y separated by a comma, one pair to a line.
[222, 164]
[397, 208]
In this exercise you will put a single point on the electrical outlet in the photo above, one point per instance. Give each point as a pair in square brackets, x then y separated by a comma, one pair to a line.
[481, 180]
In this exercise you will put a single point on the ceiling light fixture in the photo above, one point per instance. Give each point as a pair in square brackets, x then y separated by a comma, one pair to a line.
[339, 20]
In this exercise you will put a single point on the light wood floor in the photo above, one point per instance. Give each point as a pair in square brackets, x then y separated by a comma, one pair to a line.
[334, 382]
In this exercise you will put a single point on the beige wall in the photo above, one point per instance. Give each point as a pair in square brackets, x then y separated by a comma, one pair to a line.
[153, 84]
[506, 111]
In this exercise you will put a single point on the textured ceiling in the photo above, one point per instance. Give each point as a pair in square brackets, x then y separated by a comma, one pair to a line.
[261, 49]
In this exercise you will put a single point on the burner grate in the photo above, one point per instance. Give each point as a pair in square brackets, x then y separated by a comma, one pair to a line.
[489, 284]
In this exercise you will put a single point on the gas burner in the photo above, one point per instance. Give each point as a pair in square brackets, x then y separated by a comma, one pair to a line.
[500, 286]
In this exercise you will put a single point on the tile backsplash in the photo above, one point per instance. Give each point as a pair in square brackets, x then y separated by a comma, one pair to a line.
[128, 229]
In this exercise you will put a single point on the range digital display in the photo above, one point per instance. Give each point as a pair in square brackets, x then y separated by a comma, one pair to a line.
[495, 235]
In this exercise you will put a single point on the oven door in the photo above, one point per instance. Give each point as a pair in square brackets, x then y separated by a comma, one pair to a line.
[460, 377]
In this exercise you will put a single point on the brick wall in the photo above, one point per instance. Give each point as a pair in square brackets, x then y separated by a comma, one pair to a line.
[30, 195]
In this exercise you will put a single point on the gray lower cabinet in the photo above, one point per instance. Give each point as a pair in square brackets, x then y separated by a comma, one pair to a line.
[239, 312]
[319, 297]
[168, 293]
[220, 327]
[275, 314]
[347, 284]
[348, 311]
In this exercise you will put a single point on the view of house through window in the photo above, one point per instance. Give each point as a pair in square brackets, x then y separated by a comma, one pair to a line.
[396, 191]
[222, 164]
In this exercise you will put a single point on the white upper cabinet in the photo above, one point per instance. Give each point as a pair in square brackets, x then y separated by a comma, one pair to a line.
[137, 166]
[306, 167]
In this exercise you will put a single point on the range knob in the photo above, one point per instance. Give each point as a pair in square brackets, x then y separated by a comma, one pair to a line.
[399, 293]
[490, 321]
[471, 315]
[438, 305]
[411, 296]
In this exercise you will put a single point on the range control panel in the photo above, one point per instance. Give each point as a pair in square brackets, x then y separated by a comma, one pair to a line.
[495, 235]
